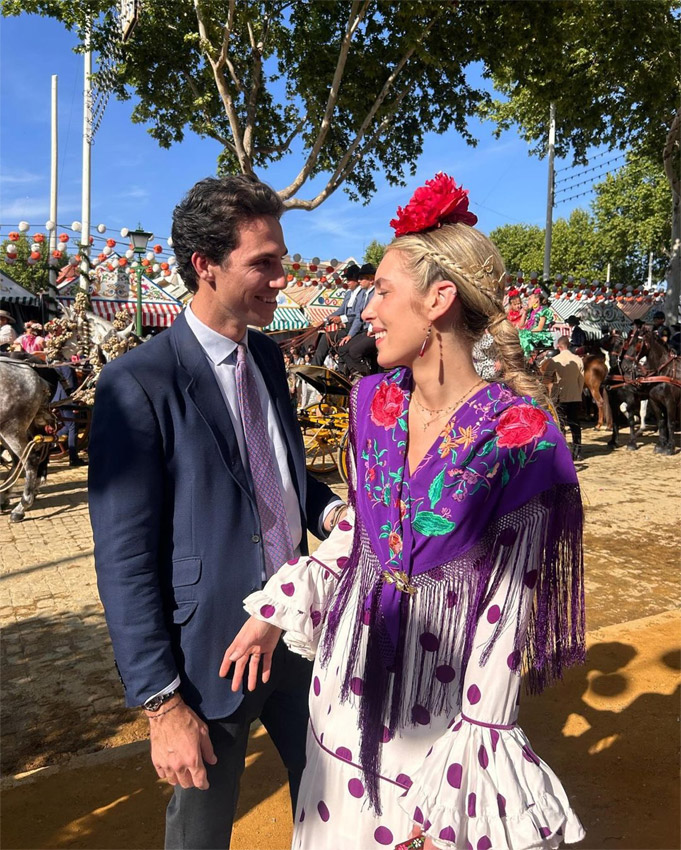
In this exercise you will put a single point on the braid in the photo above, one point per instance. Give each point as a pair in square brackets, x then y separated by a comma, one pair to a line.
[476, 280]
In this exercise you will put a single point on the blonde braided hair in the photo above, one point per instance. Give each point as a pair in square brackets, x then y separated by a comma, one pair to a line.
[462, 254]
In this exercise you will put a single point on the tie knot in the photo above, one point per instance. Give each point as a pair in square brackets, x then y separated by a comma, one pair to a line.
[241, 351]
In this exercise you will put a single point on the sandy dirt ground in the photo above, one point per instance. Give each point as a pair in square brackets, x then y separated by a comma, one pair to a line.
[77, 777]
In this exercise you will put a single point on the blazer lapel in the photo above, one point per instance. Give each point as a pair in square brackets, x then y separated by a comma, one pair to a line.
[204, 392]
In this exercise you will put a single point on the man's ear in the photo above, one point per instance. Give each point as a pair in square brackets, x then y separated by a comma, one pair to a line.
[203, 268]
[440, 299]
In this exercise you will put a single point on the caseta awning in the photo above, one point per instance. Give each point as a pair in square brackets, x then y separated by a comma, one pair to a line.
[153, 315]
[287, 319]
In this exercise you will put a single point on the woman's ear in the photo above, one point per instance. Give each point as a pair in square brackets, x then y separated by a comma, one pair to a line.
[440, 299]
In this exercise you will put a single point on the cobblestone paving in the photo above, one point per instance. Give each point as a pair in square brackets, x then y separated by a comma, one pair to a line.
[60, 692]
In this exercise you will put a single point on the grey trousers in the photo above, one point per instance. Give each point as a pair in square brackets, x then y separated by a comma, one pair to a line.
[202, 820]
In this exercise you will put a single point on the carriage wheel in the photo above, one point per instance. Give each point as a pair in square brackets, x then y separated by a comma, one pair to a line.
[342, 456]
[320, 451]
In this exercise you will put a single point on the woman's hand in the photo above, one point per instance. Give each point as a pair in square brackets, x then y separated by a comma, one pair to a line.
[255, 641]
[415, 833]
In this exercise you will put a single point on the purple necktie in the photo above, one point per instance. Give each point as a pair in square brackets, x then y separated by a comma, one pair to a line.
[273, 522]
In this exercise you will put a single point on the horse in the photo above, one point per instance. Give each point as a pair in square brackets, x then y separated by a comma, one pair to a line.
[24, 399]
[664, 374]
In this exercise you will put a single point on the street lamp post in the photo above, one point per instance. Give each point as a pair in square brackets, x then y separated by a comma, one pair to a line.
[140, 239]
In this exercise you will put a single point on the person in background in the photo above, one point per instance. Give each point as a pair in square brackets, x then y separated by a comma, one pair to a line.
[565, 371]
[577, 335]
[515, 312]
[31, 340]
[536, 332]
[7, 333]
[357, 349]
[660, 327]
[337, 323]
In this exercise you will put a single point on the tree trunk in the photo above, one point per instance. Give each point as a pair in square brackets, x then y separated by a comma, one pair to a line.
[672, 303]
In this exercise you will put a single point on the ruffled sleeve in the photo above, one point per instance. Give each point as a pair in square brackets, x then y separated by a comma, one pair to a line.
[482, 785]
[297, 597]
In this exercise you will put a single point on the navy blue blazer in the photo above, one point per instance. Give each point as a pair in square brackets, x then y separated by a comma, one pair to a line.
[175, 523]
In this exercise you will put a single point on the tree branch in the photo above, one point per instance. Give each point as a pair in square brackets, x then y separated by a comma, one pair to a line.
[668, 154]
[256, 79]
[209, 124]
[286, 144]
[245, 162]
[357, 13]
[224, 60]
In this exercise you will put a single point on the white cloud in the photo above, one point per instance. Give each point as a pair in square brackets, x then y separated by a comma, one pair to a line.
[37, 209]
[19, 178]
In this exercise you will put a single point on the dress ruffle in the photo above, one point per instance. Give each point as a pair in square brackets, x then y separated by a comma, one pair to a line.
[483, 787]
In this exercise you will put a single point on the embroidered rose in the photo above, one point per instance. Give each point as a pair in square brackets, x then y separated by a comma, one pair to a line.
[402, 506]
[371, 473]
[395, 543]
[520, 424]
[436, 203]
[387, 405]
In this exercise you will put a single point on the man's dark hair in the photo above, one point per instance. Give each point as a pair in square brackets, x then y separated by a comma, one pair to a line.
[207, 220]
[658, 314]
[572, 320]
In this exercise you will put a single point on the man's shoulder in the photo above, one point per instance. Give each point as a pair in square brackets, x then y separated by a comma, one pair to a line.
[149, 358]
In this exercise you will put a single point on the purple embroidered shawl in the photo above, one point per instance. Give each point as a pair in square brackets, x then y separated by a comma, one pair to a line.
[498, 475]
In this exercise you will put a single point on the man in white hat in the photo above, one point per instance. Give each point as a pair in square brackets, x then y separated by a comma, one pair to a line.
[7, 332]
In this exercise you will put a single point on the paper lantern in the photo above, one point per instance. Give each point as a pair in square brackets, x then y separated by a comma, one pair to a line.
[39, 237]
[14, 236]
[169, 242]
[101, 257]
[172, 261]
[296, 258]
[158, 249]
[50, 225]
[290, 277]
[150, 255]
[101, 228]
[10, 260]
[295, 266]
[333, 262]
[122, 262]
[130, 253]
[323, 279]
[155, 268]
[124, 232]
[35, 247]
[57, 254]
[329, 269]
[306, 278]
[110, 267]
[166, 273]
[63, 237]
[313, 267]
[23, 226]
[146, 262]
[35, 255]
[77, 226]
[164, 266]
[12, 249]
[31, 261]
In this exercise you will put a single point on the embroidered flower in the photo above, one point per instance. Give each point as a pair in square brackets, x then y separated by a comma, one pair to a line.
[520, 424]
[387, 405]
[465, 438]
[458, 495]
[438, 202]
[371, 473]
[402, 506]
[493, 471]
[395, 542]
[469, 476]
[446, 512]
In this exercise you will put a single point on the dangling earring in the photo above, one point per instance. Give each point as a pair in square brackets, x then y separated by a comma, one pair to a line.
[422, 350]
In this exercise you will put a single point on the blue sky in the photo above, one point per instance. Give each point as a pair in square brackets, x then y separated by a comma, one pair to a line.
[134, 180]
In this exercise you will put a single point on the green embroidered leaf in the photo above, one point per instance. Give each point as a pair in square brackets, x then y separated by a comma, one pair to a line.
[504, 475]
[384, 534]
[432, 525]
[545, 444]
[386, 527]
[435, 489]
[522, 457]
[386, 496]
[402, 423]
[487, 448]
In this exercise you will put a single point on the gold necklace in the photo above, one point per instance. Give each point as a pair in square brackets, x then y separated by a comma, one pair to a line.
[437, 414]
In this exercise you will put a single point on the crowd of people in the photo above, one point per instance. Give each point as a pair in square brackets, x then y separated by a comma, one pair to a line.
[30, 341]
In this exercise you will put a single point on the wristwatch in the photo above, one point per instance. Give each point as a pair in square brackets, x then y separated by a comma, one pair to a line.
[154, 703]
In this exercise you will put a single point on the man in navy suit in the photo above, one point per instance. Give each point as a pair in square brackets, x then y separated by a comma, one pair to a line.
[178, 536]
[340, 319]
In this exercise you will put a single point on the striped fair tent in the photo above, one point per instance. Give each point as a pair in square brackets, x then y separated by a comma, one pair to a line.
[113, 290]
[302, 293]
[288, 316]
[12, 293]
[324, 303]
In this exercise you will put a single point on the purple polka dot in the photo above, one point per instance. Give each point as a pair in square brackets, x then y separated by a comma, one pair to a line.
[302, 815]
[447, 834]
[483, 758]
[455, 726]
[426, 825]
[420, 715]
[288, 589]
[501, 802]
[430, 642]
[513, 659]
[386, 735]
[316, 618]
[473, 694]
[529, 755]
[493, 614]
[544, 831]
[484, 843]
[454, 772]
[445, 674]
[471, 806]
[342, 562]
[494, 735]
[530, 578]
[356, 686]
[418, 815]
[344, 525]
[344, 753]
[404, 780]
[316, 686]
[366, 618]
[323, 810]
[383, 835]
[452, 598]
[469, 846]
[267, 611]
[355, 788]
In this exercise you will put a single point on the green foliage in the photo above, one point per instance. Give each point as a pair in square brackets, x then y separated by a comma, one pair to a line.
[35, 278]
[630, 217]
[374, 252]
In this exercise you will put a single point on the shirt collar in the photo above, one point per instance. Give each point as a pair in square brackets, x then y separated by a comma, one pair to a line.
[218, 348]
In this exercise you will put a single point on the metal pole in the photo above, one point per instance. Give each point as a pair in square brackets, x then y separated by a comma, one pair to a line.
[549, 194]
[52, 242]
[607, 274]
[650, 270]
[87, 155]
[138, 327]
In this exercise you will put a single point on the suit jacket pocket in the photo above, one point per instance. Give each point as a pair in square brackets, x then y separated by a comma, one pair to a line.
[183, 613]
[186, 571]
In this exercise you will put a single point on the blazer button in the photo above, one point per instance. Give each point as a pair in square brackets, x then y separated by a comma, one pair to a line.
[255, 538]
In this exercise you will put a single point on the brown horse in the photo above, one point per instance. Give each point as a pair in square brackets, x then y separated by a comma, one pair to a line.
[595, 373]
[664, 373]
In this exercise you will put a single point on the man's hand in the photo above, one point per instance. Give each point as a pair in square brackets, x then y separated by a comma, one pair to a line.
[345, 340]
[180, 745]
[333, 517]
[256, 640]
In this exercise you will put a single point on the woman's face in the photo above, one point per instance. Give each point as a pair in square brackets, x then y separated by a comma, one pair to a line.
[514, 303]
[533, 301]
[396, 314]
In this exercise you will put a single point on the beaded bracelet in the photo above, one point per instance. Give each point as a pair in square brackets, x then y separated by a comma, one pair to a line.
[161, 713]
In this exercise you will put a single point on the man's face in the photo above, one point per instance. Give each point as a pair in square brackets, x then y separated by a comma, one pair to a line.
[3, 321]
[246, 284]
[366, 282]
[353, 284]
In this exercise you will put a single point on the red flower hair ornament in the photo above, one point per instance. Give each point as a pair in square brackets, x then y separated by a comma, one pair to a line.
[439, 202]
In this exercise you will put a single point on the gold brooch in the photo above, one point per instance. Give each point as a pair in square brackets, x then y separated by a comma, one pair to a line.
[401, 581]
